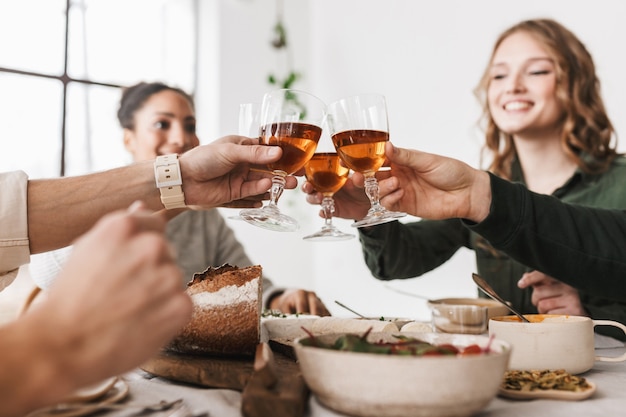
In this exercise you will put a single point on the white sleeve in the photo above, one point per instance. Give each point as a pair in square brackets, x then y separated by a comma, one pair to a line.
[44, 267]
[14, 245]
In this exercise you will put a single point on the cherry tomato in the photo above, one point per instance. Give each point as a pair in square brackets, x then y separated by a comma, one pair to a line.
[472, 350]
[448, 348]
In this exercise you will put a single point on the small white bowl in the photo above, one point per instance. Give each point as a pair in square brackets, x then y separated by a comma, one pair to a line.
[376, 385]
[494, 308]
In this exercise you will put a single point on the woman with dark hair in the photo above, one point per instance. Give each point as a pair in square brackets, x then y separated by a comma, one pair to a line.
[547, 128]
[159, 119]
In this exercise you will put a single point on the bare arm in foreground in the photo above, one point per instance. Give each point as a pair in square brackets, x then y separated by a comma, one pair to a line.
[117, 301]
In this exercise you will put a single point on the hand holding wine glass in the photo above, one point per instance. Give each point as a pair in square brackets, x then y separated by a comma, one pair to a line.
[326, 172]
[359, 129]
[290, 119]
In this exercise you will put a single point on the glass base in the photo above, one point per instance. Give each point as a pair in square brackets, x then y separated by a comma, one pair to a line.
[328, 234]
[269, 218]
[378, 217]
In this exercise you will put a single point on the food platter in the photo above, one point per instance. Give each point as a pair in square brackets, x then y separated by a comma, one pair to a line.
[554, 394]
[116, 393]
[549, 384]
[92, 392]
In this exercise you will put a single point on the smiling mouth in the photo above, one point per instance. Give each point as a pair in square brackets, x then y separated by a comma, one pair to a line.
[517, 105]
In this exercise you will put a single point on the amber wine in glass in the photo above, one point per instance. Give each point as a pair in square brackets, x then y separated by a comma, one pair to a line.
[359, 129]
[326, 172]
[291, 119]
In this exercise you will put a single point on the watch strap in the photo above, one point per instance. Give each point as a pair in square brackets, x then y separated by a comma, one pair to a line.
[169, 181]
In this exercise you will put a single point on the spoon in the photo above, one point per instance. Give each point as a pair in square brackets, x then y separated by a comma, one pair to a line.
[486, 288]
[349, 309]
[410, 294]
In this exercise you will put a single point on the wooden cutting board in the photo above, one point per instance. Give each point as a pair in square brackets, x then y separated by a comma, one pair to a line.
[271, 383]
[206, 371]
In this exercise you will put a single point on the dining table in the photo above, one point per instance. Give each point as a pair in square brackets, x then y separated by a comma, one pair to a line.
[608, 400]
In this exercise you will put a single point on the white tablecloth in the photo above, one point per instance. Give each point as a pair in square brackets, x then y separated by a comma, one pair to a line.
[608, 401]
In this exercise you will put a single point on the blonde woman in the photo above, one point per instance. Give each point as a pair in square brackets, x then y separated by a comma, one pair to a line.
[546, 127]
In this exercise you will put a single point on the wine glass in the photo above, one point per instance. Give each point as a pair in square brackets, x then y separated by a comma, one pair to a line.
[291, 119]
[326, 172]
[359, 128]
[249, 120]
[248, 125]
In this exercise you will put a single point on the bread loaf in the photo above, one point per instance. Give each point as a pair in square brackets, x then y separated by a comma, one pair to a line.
[226, 312]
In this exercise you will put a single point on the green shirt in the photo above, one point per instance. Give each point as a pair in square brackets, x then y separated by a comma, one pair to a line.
[398, 251]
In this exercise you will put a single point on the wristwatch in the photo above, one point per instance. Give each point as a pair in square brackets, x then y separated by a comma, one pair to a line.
[169, 181]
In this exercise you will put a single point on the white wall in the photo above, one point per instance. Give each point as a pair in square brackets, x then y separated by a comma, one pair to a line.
[426, 57]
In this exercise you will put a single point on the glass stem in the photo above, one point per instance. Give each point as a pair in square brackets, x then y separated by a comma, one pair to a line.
[328, 205]
[278, 185]
[371, 189]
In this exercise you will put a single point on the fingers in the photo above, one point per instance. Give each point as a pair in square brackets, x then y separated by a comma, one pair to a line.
[396, 155]
[564, 303]
[308, 302]
[291, 182]
[358, 180]
[312, 196]
[245, 203]
[307, 187]
[255, 187]
[387, 186]
[137, 206]
[237, 139]
[534, 278]
[293, 301]
[253, 154]
[316, 306]
[552, 296]
[391, 200]
[407, 157]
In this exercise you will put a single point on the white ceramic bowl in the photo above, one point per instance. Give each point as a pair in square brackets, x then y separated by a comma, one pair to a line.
[552, 341]
[459, 318]
[369, 384]
[494, 308]
[398, 321]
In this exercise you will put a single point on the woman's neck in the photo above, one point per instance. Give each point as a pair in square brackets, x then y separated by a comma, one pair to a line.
[545, 165]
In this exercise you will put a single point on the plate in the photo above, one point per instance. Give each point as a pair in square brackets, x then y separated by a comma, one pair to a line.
[91, 392]
[417, 327]
[554, 394]
[116, 393]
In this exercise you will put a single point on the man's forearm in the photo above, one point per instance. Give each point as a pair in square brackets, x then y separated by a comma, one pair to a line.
[60, 210]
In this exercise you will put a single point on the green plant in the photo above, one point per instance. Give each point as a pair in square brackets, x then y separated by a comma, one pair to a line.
[280, 43]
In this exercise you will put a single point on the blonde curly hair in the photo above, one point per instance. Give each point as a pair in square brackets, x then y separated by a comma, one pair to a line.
[586, 128]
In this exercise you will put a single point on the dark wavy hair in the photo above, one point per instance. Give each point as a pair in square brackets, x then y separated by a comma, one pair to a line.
[134, 97]
[586, 128]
